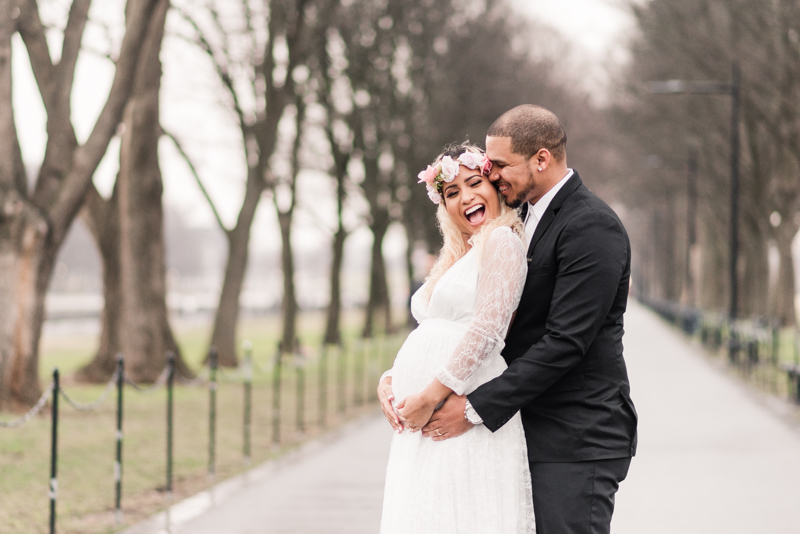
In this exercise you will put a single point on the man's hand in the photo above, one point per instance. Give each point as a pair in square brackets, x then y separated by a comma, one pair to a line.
[385, 396]
[448, 421]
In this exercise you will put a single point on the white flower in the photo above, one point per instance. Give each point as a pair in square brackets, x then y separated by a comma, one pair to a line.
[434, 195]
[471, 160]
[449, 169]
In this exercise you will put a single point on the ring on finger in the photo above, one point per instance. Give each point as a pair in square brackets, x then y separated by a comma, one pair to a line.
[439, 431]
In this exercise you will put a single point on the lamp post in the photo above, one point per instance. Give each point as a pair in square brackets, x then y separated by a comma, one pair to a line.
[719, 88]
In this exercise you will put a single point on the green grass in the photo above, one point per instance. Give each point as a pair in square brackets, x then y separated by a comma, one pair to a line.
[86, 440]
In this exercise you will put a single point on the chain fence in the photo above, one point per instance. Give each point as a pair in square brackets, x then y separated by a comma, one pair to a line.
[758, 349]
[90, 406]
[152, 388]
[38, 407]
[339, 378]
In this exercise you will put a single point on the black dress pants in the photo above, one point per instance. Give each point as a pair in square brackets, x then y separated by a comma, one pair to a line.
[576, 497]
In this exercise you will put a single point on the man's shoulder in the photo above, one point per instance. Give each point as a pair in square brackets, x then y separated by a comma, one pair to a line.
[584, 202]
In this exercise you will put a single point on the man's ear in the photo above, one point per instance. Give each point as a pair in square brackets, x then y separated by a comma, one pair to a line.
[541, 160]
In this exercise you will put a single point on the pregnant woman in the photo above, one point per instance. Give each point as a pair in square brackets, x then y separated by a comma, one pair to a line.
[478, 482]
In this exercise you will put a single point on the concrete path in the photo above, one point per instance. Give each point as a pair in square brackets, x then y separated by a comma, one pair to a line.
[333, 485]
[714, 457]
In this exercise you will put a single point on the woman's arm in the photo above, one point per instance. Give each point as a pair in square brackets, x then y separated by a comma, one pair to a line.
[500, 283]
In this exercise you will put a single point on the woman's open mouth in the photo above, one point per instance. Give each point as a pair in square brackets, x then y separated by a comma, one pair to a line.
[476, 214]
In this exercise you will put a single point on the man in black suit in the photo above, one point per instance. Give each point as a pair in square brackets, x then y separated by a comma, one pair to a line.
[566, 373]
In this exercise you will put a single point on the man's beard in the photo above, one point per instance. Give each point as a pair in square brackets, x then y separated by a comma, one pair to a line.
[522, 196]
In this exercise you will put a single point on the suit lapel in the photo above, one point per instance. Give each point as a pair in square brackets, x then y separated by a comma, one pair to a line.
[550, 213]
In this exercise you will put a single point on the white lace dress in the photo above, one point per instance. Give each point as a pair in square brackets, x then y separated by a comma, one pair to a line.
[478, 482]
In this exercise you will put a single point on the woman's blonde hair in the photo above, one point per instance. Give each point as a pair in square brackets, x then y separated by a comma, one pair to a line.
[454, 247]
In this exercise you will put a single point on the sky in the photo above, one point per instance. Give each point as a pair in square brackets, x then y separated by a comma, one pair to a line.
[192, 110]
[597, 30]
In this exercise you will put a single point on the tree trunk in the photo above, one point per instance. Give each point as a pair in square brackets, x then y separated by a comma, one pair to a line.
[289, 306]
[333, 319]
[34, 225]
[713, 287]
[223, 337]
[669, 264]
[147, 336]
[785, 286]
[378, 301]
[754, 279]
[102, 218]
[27, 252]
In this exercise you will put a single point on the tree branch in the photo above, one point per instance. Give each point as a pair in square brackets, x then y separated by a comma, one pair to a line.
[33, 35]
[221, 69]
[88, 156]
[196, 175]
[65, 70]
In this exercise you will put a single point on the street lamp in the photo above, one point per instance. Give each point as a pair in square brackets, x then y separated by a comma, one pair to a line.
[719, 88]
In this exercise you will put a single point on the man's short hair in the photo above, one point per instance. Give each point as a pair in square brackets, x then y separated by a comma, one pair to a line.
[531, 128]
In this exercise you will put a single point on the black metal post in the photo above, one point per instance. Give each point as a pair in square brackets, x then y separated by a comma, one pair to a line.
[170, 425]
[776, 348]
[301, 390]
[358, 373]
[341, 378]
[118, 462]
[54, 453]
[276, 398]
[248, 399]
[213, 359]
[376, 367]
[323, 384]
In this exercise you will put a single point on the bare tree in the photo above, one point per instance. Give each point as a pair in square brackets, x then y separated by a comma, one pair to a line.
[129, 230]
[35, 223]
[691, 40]
[255, 51]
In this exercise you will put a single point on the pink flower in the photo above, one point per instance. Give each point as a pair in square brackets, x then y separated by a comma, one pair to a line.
[471, 160]
[434, 195]
[427, 175]
[449, 169]
[486, 165]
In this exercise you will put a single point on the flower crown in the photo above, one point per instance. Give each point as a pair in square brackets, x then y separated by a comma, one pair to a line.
[446, 169]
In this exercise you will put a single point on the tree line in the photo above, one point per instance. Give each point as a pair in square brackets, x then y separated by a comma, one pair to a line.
[679, 150]
[365, 91]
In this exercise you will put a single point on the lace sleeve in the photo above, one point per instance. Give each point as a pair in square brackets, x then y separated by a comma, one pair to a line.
[500, 283]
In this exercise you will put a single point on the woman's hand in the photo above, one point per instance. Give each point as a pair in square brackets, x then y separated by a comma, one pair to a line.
[385, 396]
[416, 410]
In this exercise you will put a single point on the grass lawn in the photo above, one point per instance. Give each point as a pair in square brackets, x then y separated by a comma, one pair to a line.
[87, 440]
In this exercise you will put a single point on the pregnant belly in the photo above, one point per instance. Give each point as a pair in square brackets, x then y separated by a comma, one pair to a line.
[429, 347]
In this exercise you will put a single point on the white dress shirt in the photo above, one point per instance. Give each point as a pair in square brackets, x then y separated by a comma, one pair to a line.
[535, 211]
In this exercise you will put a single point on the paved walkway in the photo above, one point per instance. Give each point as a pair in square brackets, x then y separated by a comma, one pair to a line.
[714, 457]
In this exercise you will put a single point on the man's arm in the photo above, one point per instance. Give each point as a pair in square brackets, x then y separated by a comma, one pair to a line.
[591, 256]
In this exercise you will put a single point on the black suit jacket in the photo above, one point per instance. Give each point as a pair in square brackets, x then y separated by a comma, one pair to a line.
[565, 370]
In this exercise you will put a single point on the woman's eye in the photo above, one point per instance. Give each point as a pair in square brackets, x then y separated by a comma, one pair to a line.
[451, 194]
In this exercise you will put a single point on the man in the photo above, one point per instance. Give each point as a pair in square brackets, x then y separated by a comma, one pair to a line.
[566, 373]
